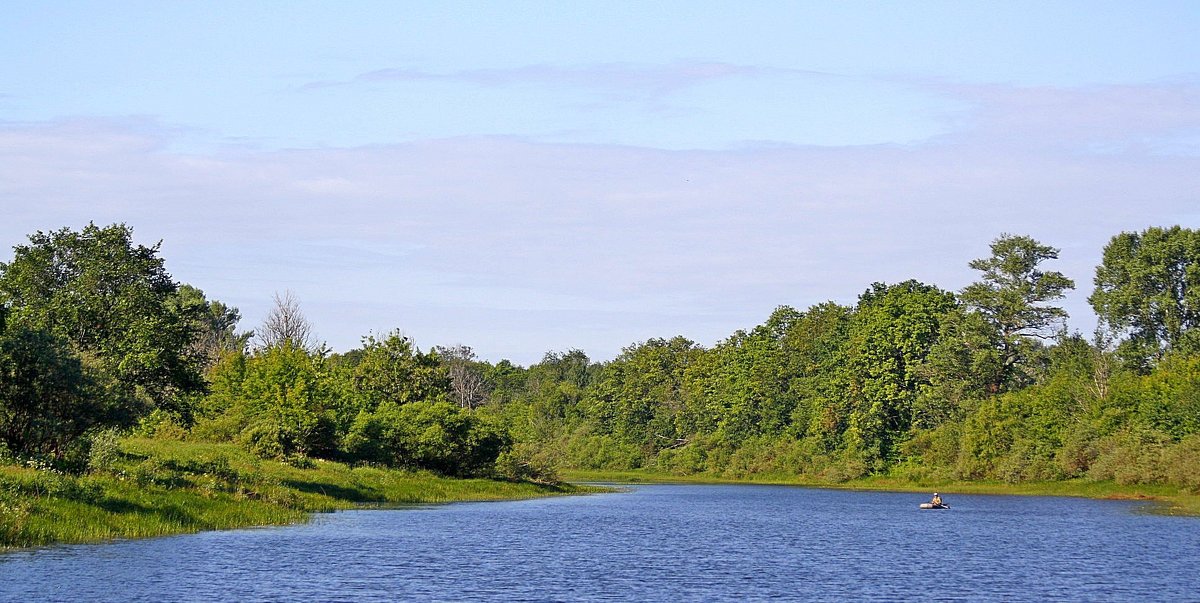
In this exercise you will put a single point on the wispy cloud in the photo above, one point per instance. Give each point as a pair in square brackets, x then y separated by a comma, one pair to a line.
[626, 77]
[1095, 117]
[518, 247]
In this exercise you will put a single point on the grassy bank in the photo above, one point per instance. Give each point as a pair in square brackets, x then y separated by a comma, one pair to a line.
[1167, 499]
[160, 487]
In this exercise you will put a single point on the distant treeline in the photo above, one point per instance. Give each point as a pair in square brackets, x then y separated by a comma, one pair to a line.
[912, 380]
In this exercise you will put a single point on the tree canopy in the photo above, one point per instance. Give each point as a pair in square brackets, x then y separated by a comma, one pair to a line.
[114, 303]
[1148, 288]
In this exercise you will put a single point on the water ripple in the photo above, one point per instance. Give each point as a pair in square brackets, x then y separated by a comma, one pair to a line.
[653, 543]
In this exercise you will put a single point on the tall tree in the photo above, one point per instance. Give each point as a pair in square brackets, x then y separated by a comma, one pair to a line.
[1013, 295]
[890, 336]
[216, 324]
[639, 396]
[467, 382]
[112, 301]
[286, 323]
[1148, 288]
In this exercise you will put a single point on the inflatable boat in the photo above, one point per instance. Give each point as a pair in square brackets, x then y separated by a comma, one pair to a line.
[933, 506]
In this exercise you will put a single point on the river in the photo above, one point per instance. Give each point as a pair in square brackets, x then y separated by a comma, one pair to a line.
[653, 543]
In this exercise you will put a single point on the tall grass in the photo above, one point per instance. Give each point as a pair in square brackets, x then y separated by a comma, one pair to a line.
[157, 487]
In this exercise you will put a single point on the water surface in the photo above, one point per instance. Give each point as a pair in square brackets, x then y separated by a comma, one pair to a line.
[653, 543]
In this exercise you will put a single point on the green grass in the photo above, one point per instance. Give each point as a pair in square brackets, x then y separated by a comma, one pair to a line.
[160, 487]
[1165, 499]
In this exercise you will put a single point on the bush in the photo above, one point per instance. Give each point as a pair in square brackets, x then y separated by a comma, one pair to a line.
[287, 431]
[427, 435]
[1130, 457]
[602, 452]
[525, 463]
[161, 424]
[1078, 451]
[1181, 463]
[1027, 461]
[685, 460]
[105, 451]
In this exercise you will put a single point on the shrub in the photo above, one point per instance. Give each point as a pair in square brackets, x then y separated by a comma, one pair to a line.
[602, 452]
[525, 463]
[162, 424]
[105, 451]
[1130, 457]
[427, 435]
[1181, 463]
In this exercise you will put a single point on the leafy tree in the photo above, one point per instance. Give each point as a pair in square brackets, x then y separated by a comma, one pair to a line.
[279, 402]
[814, 351]
[964, 364]
[46, 396]
[554, 389]
[744, 383]
[890, 336]
[216, 324]
[505, 380]
[394, 369]
[113, 302]
[1148, 288]
[639, 396]
[1012, 296]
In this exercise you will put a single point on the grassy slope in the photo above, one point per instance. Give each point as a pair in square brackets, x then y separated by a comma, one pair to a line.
[1169, 500]
[163, 487]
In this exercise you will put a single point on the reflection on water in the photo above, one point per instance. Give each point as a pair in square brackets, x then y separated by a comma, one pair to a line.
[653, 543]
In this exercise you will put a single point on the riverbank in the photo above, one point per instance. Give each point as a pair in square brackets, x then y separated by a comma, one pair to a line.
[1164, 499]
[161, 487]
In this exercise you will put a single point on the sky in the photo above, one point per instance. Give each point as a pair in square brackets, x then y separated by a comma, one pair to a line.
[527, 177]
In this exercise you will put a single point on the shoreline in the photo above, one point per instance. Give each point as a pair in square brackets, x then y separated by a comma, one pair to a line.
[163, 488]
[1162, 499]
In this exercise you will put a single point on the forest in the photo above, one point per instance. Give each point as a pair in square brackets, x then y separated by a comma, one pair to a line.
[97, 341]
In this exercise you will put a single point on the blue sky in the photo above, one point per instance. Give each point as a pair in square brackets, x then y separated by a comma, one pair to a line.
[527, 176]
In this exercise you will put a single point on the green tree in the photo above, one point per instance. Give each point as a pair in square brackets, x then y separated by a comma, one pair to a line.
[1012, 296]
[394, 368]
[216, 324]
[963, 365]
[639, 396]
[890, 336]
[46, 397]
[113, 301]
[814, 349]
[1148, 288]
[284, 404]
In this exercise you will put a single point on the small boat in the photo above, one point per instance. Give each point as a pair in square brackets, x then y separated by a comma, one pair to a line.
[933, 506]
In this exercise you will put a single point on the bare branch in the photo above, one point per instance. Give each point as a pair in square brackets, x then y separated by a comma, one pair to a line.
[285, 323]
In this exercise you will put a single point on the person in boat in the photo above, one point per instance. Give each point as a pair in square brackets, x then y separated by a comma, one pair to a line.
[937, 500]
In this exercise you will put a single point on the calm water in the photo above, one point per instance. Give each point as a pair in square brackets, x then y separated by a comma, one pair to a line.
[661, 542]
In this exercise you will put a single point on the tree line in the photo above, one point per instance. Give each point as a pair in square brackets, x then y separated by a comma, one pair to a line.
[911, 380]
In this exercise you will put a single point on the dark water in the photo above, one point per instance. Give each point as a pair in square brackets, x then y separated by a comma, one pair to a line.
[654, 543]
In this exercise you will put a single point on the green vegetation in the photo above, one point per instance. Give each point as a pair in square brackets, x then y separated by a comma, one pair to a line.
[1161, 498]
[149, 487]
[911, 386]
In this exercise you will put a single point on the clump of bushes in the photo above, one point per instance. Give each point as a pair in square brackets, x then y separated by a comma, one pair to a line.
[427, 435]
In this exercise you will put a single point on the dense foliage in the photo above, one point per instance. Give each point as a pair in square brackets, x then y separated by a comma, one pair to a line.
[911, 380]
